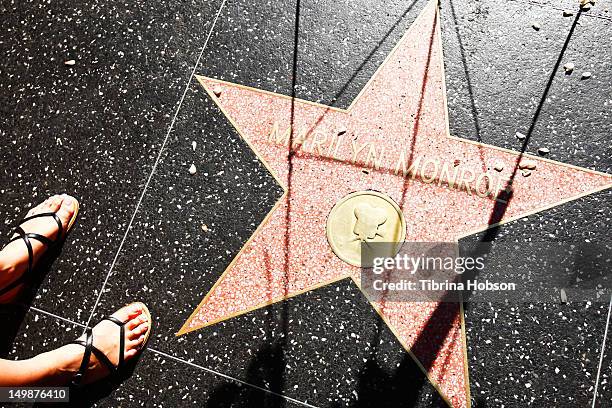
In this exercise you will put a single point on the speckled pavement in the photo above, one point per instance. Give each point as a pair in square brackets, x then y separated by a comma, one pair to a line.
[117, 130]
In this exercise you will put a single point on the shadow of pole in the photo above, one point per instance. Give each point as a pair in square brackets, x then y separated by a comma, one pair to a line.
[291, 151]
[551, 78]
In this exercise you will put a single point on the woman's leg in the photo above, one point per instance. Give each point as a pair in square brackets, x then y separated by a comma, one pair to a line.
[45, 369]
[57, 367]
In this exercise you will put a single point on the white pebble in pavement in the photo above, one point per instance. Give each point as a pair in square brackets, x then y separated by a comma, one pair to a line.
[192, 169]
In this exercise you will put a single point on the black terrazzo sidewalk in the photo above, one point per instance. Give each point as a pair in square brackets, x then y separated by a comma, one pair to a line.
[95, 129]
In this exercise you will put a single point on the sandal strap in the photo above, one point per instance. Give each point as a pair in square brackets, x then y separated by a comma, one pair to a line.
[37, 237]
[114, 320]
[102, 357]
[121, 338]
[48, 214]
[88, 344]
[26, 237]
[89, 350]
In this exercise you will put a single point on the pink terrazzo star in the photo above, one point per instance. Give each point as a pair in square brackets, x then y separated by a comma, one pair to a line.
[398, 120]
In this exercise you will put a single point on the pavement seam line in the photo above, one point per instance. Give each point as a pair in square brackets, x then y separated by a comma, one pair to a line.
[178, 359]
[157, 161]
[231, 378]
[601, 355]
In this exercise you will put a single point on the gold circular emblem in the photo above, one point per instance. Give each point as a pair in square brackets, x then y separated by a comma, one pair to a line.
[364, 220]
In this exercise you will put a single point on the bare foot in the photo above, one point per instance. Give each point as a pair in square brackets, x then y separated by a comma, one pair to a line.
[14, 256]
[106, 339]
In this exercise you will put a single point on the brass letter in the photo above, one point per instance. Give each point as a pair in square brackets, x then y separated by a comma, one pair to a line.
[466, 181]
[412, 170]
[446, 177]
[316, 143]
[376, 160]
[278, 138]
[424, 177]
[357, 150]
[488, 185]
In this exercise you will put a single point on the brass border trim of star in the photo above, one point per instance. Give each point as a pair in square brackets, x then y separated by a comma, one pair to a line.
[201, 79]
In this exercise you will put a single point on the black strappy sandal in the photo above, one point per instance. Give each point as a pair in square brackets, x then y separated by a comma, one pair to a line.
[90, 348]
[26, 236]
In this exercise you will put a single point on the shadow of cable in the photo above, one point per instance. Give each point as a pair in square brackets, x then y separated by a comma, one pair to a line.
[291, 152]
[500, 208]
[438, 325]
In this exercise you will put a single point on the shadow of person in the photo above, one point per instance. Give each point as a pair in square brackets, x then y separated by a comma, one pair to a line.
[267, 371]
[405, 387]
[13, 314]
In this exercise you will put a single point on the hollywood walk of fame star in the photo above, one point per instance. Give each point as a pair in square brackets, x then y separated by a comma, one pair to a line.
[398, 120]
